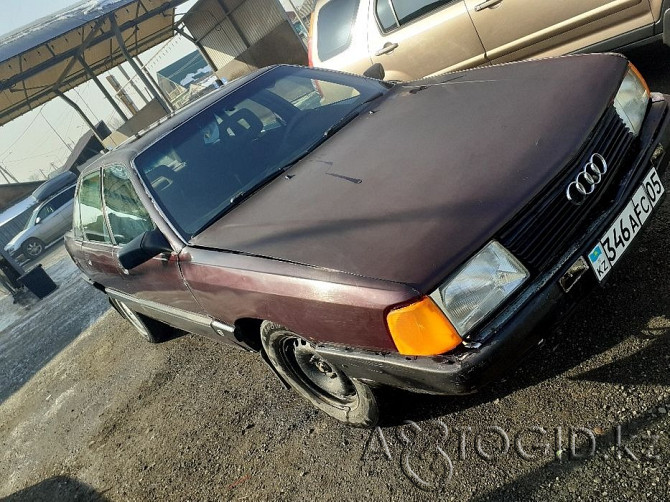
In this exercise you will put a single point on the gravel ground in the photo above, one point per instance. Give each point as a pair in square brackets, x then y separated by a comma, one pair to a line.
[100, 415]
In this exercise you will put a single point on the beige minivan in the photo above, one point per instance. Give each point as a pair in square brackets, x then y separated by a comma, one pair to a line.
[418, 38]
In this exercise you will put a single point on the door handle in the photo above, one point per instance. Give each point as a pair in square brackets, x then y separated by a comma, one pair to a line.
[388, 47]
[489, 4]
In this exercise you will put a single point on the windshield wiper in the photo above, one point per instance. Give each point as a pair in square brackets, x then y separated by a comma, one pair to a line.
[350, 116]
[239, 197]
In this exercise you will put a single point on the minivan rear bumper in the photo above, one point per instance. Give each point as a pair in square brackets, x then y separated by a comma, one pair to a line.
[525, 323]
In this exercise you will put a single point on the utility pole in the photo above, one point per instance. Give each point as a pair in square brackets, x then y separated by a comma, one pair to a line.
[6, 174]
[133, 84]
[122, 94]
[56, 132]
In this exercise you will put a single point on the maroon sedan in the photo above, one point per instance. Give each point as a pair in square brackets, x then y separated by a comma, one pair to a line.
[358, 233]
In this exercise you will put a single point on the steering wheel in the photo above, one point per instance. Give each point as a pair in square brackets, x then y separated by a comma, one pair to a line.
[304, 129]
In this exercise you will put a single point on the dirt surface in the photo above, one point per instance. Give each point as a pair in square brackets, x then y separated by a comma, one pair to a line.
[102, 415]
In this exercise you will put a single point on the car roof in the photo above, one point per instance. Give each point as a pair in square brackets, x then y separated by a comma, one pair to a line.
[54, 185]
[130, 148]
[53, 196]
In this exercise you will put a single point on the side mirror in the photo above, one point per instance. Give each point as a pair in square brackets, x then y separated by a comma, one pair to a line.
[142, 248]
[38, 220]
[375, 71]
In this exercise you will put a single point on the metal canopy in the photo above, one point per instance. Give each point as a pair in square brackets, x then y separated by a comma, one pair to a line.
[43, 60]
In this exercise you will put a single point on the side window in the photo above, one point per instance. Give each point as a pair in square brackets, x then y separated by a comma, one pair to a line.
[391, 13]
[386, 15]
[77, 230]
[46, 210]
[127, 216]
[62, 199]
[89, 210]
[335, 25]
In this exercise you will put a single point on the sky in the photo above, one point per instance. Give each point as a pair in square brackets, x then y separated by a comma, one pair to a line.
[29, 147]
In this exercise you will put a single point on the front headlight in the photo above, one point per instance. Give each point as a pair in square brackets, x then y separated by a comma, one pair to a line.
[632, 99]
[480, 286]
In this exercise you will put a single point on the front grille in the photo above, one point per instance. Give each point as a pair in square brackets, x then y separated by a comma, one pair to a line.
[545, 228]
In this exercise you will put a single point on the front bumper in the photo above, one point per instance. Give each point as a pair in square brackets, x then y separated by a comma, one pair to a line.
[507, 338]
[14, 253]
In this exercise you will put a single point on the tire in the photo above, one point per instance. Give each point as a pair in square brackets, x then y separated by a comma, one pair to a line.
[32, 248]
[326, 387]
[152, 331]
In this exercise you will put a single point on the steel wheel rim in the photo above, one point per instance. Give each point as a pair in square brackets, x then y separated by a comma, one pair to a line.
[315, 374]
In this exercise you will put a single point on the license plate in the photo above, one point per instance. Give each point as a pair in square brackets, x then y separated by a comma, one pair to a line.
[626, 226]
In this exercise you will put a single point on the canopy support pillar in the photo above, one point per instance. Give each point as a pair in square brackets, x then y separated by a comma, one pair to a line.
[133, 84]
[135, 66]
[102, 88]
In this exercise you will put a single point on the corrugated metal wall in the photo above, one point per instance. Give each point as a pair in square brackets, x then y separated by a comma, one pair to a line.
[14, 226]
[228, 28]
[257, 18]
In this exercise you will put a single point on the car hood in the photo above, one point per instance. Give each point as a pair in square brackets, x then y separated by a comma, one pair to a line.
[409, 192]
[17, 239]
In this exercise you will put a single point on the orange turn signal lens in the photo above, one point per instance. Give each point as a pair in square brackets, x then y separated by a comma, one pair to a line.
[637, 73]
[421, 329]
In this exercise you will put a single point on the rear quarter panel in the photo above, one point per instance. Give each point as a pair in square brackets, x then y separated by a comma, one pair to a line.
[321, 305]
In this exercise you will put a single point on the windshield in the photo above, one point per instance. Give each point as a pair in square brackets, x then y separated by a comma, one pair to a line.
[33, 217]
[234, 146]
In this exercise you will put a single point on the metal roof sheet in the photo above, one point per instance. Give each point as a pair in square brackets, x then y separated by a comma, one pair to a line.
[44, 58]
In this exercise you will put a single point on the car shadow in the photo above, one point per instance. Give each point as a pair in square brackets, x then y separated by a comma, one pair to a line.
[37, 331]
[529, 485]
[56, 489]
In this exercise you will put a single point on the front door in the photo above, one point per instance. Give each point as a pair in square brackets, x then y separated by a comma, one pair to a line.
[98, 256]
[156, 287]
[417, 38]
[158, 282]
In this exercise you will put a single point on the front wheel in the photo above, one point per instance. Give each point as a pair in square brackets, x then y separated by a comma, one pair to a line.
[314, 378]
[32, 248]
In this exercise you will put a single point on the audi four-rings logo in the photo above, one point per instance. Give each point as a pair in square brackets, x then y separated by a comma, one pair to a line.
[587, 180]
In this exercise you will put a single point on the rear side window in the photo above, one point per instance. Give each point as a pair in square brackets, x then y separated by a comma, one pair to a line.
[89, 210]
[335, 25]
[62, 199]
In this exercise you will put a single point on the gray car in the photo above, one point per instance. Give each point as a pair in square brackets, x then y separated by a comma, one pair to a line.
[49, 222]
